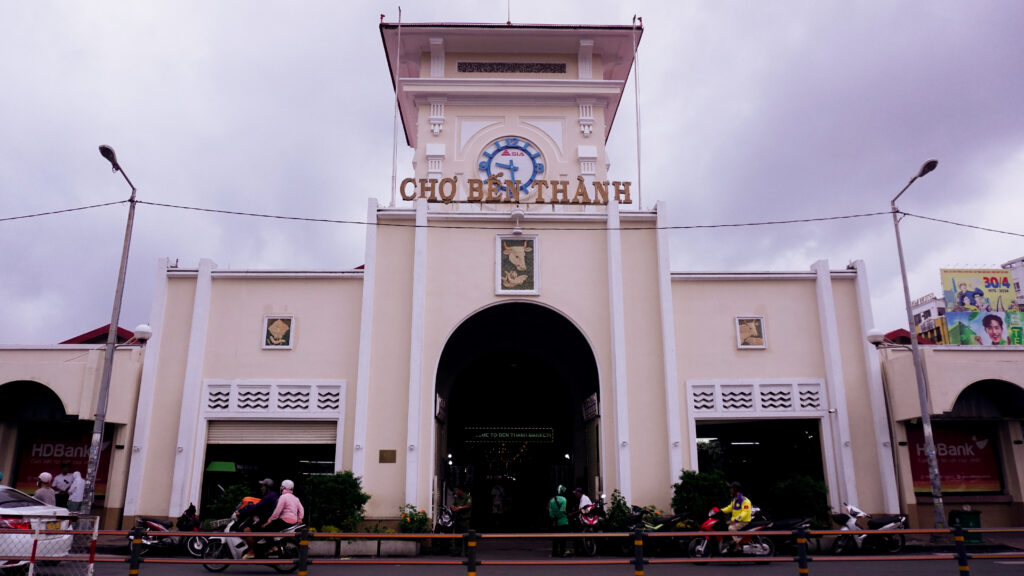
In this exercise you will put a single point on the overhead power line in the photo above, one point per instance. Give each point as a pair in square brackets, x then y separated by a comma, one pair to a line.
[457, 227]
[60, 211]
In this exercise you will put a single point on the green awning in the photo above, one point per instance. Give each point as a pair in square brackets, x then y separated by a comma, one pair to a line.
[220, 467]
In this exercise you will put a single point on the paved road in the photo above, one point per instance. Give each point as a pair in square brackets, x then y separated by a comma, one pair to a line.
[917, 567]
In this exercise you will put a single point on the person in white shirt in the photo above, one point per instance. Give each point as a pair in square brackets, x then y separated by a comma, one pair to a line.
[76, 493]
[62, 483]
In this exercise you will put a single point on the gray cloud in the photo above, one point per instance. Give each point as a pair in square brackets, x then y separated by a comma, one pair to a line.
[750, 111]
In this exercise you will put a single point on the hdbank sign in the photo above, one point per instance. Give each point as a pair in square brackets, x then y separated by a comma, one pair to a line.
[967, 456]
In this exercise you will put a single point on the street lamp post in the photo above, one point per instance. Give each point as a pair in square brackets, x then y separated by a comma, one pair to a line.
[108, 358]
[915, 351]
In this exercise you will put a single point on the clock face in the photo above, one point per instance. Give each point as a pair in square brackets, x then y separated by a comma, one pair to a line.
[512, 158]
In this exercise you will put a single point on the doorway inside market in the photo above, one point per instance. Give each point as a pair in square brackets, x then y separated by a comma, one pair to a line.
[517, 412]
[763, 455]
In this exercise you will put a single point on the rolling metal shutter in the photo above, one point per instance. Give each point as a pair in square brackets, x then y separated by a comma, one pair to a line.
[271, 432]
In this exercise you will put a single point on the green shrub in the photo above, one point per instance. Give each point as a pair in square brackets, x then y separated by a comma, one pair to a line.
[336, 499]
[798, 497]
[698, 492]
[618, 514]
[225, 504]
[413, 521]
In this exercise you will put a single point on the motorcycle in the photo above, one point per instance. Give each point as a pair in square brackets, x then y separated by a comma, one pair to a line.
[590, 518]
[788, 542]
[750, 543]
[642, 520]
[885, 543]
[232, 546]
[154, 534]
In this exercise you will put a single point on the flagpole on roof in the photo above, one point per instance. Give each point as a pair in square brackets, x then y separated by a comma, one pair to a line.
[636, 105]
[394, 126]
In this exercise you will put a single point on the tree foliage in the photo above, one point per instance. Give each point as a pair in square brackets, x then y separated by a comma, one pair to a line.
[335, 499]
[698, 492]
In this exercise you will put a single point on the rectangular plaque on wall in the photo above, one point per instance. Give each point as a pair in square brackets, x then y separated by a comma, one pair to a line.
[388, 456]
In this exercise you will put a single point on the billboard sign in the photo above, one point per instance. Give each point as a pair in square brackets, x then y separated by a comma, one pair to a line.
[989, 290]
[981, 307]
[967, 457]
[986, 328]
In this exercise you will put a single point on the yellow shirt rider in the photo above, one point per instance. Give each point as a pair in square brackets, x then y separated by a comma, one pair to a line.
[740, 509]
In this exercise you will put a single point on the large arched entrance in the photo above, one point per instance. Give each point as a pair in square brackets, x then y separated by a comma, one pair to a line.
[516, 406]
[43, 437]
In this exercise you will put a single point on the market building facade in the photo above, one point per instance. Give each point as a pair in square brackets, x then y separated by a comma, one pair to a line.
[516, 321]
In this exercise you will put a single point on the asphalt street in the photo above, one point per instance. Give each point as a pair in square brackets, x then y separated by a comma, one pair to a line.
[1003, 567]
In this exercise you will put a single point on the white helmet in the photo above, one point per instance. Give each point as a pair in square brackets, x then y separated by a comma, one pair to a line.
[287, 485]
[46, 478]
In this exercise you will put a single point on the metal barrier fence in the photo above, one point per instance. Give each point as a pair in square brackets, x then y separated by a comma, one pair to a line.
[78, 561]
[47, 545]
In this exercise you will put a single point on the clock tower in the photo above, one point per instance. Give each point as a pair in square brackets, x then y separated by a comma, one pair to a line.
[501, 115]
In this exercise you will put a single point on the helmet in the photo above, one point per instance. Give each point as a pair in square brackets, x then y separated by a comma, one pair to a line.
[287, 485]
[267, 482]
[561, 489]
[578, 491]
[736, 486]
[46, 477]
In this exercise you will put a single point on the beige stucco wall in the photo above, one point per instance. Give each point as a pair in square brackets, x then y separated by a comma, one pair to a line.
[388, 405]
[648, 422]
[73, 373]
[950, 370]
[170, 380]
[705, 309]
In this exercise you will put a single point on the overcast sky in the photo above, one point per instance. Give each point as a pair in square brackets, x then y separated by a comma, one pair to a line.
[750, 111]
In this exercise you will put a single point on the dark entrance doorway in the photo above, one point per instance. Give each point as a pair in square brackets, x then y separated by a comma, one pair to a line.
[761, 453]
[512, 382]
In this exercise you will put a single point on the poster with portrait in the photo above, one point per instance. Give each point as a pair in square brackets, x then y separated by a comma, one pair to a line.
[517, 270]
[750, 332]
[978, 328]
[278, 331]
[985, 290]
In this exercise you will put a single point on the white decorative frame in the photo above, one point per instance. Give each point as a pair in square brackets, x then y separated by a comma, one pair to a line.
[757, 340]
[289, 335]
[505, 281]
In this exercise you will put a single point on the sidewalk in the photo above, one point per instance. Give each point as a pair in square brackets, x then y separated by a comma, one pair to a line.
[540, 548]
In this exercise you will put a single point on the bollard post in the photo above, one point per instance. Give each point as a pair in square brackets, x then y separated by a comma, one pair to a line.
[470, 540]
[638, 550]
[961, 550]
[303, 560]
[801, 550]
[135, 558]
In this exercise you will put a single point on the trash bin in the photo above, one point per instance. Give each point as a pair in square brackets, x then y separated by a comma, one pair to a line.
[967, 519]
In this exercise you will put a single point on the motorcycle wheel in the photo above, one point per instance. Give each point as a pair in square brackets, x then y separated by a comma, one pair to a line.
[143, 548]
[766, 544]
[289, 551]
[588, 545]
[196, 545]
[841, 544]
[699, 548]
[892, 543]
[216, 550]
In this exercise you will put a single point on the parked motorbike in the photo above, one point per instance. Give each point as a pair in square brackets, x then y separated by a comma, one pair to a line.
[750, 544]
[885, 543]
[787, 543]
[641, 520]
[232, 546]
[590, 519]
[155, 535]
[445, 525]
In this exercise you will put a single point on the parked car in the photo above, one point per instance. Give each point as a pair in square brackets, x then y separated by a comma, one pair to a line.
[23, 515]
